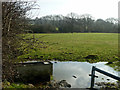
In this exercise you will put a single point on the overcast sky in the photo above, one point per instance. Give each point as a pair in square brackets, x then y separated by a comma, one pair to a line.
[97, 8]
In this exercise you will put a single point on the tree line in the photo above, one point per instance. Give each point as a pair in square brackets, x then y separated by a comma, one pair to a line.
[73, 23]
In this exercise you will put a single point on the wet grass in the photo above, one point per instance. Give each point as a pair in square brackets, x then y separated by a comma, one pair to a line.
[72, 47]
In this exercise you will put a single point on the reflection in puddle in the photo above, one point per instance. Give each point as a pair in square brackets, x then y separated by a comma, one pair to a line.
[77, 73]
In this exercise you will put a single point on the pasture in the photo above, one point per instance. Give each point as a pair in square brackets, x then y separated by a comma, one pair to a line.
[71, 47]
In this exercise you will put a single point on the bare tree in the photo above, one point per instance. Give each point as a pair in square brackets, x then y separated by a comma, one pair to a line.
[87, 21]
[13, 23]
[72, 18]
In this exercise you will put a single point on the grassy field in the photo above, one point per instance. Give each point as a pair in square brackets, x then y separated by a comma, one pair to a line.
[72, 47]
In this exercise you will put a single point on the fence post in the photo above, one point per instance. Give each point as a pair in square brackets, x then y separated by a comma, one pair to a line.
[92, 76]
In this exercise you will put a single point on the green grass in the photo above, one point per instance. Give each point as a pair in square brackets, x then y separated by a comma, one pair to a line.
[73, 47]
[12, 86]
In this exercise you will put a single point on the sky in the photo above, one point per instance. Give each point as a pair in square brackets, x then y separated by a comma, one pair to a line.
[97, 8]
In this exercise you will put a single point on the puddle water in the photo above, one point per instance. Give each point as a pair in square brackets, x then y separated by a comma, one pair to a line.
[77, 73]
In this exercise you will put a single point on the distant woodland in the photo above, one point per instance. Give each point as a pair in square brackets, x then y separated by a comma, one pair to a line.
[72, 23]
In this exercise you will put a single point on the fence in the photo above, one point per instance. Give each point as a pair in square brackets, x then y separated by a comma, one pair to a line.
[103, 72]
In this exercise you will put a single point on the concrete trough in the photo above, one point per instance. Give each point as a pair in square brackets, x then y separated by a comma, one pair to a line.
[34, 72]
